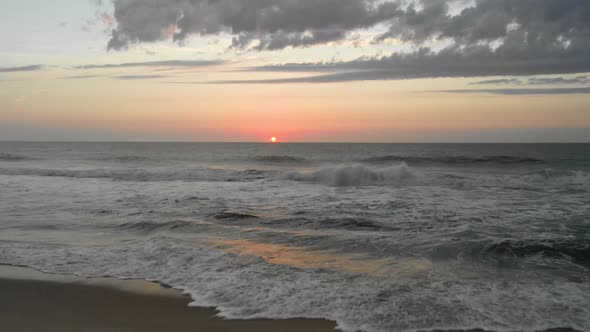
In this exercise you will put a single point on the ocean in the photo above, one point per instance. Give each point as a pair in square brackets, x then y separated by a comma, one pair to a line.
[377, 237]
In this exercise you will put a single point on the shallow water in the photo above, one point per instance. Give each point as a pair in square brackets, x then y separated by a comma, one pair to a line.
[379, 237]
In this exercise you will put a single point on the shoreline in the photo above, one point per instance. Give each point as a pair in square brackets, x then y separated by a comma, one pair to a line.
[37, 301]
[34, 301]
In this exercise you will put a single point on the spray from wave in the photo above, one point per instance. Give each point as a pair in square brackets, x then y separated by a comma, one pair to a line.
[356, 175]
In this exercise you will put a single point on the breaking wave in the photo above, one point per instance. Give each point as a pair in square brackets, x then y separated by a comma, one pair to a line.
[355, 175]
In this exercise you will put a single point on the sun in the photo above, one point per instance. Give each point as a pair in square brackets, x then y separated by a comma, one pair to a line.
[273, 139]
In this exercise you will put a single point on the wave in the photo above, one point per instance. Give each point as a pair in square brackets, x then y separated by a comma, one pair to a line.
[13, 157]
[144, 175]
[563, 180]
[355, 175]
[453, 159]
[234, 216]
[344, 223]
[230, 281]
[576, 251]
[280, 159]
[123, 159]
[148, 227]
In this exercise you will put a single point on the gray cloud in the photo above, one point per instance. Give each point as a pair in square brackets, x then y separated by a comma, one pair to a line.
[536, 81]
[559, 80]
[23, 68]
[139, 77]
[503, 81]
[516, 92]
[81, 77]
[491, 38]
[451, 62]
[272, 24]
[169, 63]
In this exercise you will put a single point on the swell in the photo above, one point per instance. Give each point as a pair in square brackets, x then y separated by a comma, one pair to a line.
[339, 176]
[144, 175]
[13, 157]
[454, 159]
[279, 159]
[123, 159]
[576, 251]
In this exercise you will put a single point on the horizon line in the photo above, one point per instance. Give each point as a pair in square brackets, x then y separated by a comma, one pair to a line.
[290, 142]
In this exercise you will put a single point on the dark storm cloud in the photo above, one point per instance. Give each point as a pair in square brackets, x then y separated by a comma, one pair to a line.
[169, 63]
[24, 68]
[516, 92]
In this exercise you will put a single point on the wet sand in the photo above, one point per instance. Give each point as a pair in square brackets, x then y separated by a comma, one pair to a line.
[31, 301]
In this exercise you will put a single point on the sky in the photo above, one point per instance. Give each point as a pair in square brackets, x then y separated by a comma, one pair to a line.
[300, 70]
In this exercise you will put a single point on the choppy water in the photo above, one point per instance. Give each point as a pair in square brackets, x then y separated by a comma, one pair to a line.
[379, 237]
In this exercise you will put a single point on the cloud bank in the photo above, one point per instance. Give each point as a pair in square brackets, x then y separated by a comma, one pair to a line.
[536, 81]
[520, 92]
[19, 69]
[169, 63]
[490, 37]
[271, 24]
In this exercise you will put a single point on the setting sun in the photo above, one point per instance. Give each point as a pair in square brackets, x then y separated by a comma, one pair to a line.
[273, 139]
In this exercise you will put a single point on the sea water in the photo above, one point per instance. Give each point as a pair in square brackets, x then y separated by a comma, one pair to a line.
[378, 237]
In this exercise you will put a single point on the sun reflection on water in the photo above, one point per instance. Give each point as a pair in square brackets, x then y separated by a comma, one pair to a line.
[304, 258]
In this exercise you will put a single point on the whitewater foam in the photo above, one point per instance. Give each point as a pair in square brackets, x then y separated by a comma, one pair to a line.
[248, 287]
[356, 175]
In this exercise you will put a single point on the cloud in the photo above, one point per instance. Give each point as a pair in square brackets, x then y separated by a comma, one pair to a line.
[457, 61]
[265, 24]
[81, 77]
[139, 77]
[490, 38]
[18, 69]
[516, 92]
[504, 81]
[520, 26]
[537, 81]
[558, 80]
[168, 63]
[476, 61]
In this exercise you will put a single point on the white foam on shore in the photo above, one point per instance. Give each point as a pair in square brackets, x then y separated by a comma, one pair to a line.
[252, 288]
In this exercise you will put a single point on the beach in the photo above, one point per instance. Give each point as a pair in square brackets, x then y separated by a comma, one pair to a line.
[34, 301]
[371, 237]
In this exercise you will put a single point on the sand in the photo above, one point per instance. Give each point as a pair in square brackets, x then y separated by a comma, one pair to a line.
[31, 301]
[38, 302]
